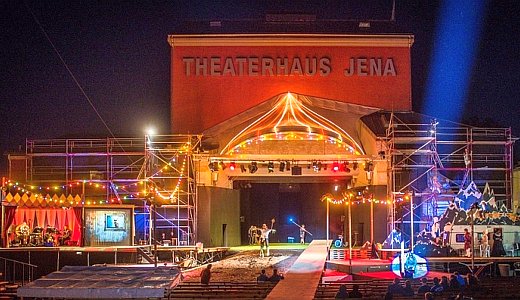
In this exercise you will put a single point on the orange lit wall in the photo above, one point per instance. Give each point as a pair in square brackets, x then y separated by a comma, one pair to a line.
[200, 101]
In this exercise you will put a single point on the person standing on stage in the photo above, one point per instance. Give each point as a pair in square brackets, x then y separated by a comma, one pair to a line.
[467, 242]
[264, 240]
[252, 233]
[302, 234]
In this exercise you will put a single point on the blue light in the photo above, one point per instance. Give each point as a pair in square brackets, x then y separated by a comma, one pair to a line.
[415, 265]
[455, 49]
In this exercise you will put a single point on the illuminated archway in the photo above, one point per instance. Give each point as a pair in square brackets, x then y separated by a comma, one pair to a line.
[291, 120]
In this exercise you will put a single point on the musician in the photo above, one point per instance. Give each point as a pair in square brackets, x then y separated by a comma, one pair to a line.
[65, 236]
[22, 232]
[302, 234]
[264, 240]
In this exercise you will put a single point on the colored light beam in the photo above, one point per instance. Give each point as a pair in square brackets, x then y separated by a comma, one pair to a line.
[454, 52]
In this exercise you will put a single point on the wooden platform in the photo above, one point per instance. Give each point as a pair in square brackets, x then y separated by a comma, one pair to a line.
[302, 279]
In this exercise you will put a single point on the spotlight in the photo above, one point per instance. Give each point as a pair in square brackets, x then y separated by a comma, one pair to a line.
[315, 166]
[223, 165]
[232, 166]
[253, 167]
[270, 167]
[243, 168]
[213, 166]
[282, 166]
[335, 167]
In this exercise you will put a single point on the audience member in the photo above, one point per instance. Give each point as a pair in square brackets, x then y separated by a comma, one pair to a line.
[473, 281]
[355, 293]
[428, 296]
[454, 283]
[437, 287]
[445, 283]
[395, 288]
[205, 275]
[460, 279]
[408, 289]
[275, 277]
[425, 287]
[342, 292]
[262, 277]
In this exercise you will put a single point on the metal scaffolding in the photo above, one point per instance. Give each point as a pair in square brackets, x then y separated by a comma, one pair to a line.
[431, 160]
[170, 176]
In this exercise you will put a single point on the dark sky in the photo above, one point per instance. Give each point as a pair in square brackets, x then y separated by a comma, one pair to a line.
[117, 51]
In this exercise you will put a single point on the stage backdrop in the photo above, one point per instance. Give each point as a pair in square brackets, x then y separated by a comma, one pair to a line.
[108, 226]
[215, 77]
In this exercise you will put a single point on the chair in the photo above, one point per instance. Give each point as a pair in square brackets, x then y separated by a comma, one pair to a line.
[485, 250]
[516, 268]
[516, 247]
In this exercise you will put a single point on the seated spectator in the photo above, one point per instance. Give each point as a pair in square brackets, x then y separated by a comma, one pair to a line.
[473, 281]
[408, 289]
[355, 293]
[444, 283]
[275, 277]
[437, 287]
[342, 292]
[425, 287]
[428, 296]
[205, 275]
[460, 279]
[389, 296]
[262, 277]
[454, 283]
[395, 288]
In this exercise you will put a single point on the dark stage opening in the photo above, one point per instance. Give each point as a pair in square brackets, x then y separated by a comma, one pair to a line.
[287, 202]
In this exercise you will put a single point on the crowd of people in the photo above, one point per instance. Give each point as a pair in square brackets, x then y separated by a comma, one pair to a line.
[455, 284]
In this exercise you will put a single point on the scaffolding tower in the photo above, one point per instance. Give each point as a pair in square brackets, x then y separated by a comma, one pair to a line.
[431, 160]
[170, 177]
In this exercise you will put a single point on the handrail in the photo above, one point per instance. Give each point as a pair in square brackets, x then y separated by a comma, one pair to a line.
[10, 275]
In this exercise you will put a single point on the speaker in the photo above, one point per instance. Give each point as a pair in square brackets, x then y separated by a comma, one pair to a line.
[296, 170]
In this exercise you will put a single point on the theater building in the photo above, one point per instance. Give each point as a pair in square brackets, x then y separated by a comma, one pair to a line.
[283, 129]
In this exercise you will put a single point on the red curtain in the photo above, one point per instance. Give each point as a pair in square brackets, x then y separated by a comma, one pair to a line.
[78, 229]
[10, 213]
[44, 217]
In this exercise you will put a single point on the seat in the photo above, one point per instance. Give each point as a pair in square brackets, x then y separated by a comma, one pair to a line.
[516, 268]
[485, 250]
[515, 249]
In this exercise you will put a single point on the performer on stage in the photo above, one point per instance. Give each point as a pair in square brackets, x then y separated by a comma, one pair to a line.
[22, 232]
[484, 244]
[253, 235]
[498, 246]
[65, 236]
[467, 242]
[264, 240]
[302, 234]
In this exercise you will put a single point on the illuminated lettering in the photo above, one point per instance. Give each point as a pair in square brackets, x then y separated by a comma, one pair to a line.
[187, 65]
[214, 66]
[253, 66]
[325, 67]
[267, 66]
[229, 68]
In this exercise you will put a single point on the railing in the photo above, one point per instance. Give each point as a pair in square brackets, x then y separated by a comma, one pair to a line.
[12, 272]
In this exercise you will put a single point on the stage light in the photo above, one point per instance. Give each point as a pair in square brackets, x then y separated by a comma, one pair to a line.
[222, 165]
[213, 166]
[151, 131]
[287, 166]
[270, 167]
[282, 166]
[346, 166]
[335, 167]
[232, 166]
[253, 167]
[336, 187]
[243, 168]
[315, 166]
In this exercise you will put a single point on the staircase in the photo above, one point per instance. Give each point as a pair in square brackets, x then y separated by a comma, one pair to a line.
[144, 255]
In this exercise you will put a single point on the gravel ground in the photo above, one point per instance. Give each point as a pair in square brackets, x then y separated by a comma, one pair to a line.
[246, 266]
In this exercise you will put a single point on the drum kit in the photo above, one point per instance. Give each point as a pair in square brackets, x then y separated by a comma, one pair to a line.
[37, 238]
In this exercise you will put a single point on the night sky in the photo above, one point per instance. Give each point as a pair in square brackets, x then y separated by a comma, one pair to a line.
[117, 51]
